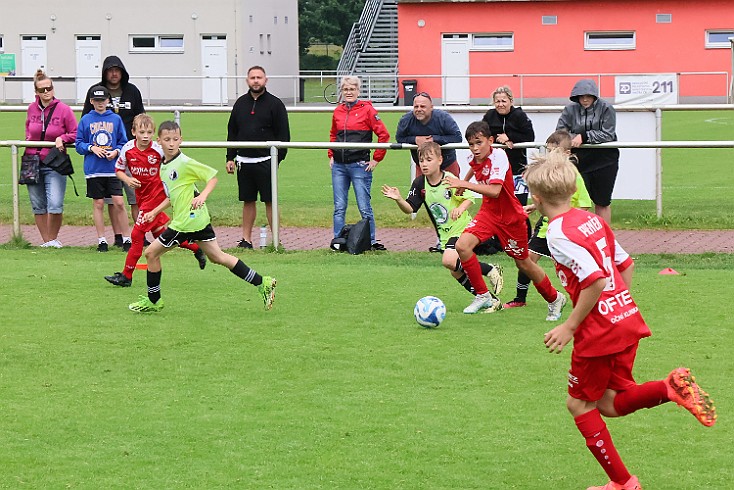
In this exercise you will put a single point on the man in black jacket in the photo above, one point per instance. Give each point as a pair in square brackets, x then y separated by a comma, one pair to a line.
[256, 116]
[126, 102]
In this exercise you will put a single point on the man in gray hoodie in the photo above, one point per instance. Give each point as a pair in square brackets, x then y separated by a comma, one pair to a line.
[592, 120]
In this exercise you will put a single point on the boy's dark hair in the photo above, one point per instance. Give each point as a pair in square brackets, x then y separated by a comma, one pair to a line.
[168, 126]
[477, 127]
[429, 148]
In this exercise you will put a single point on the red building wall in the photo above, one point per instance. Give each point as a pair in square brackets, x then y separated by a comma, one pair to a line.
[543, 49]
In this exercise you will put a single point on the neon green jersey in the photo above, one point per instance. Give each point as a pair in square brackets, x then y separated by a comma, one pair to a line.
[179, 177]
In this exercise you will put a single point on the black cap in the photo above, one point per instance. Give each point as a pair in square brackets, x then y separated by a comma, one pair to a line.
[99, 92]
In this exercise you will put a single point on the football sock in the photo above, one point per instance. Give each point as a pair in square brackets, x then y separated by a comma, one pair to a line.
[154, 285]
[464, 281]
[486, 268]
[474, 271]
[118, 238]
[243, 272]
[647, 395]
[101, 240]
[547, 291]
[193, 246]
[599, 442]
[523, 283]
[135, 252]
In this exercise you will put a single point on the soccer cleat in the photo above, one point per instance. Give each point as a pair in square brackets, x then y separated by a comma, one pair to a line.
[126, 246]
[377, 246]
[201, 257]
[555, 308]
[103, 247]
[145, 305]
[267, 291]
[515, 303]
[684, 391]
[481, 302]
[119, 279]
[496, 280]
[632, 484]
[496, 305]
[244, 244]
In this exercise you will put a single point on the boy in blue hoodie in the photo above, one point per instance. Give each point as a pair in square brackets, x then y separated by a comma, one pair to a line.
[100, 136]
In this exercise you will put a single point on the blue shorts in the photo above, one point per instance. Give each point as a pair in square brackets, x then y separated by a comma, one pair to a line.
[47, 197]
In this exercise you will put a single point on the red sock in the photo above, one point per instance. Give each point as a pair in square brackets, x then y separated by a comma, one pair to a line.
[135, 252]
[599, 442]
[546, 289]
[193, 246]
[648, 395]
[474, 273]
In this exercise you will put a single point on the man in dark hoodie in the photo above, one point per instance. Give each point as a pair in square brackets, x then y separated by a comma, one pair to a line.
[126, 102]
[592, 120]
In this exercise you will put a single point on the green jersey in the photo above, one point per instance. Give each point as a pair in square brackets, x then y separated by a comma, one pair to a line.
[179, 177]
[439, 201]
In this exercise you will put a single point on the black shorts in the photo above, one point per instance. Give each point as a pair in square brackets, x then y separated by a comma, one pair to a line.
[451, 243]
[129, 193]
[600, 184]
[254, 178]
[172, 238]
[101, 187]
[536, 244]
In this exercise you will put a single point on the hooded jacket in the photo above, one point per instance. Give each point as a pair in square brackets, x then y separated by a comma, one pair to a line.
[596, 124]
[62, 123]
[104, 130]
[130, 102]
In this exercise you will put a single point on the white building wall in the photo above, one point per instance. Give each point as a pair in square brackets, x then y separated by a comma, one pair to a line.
[243, 22]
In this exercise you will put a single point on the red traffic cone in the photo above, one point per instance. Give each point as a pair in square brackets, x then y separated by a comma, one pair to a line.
[669, 272]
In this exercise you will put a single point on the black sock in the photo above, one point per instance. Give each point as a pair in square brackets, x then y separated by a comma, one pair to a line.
[464, 281]
[154, 286]
[523, 282]
[243, 272]
[485, 268]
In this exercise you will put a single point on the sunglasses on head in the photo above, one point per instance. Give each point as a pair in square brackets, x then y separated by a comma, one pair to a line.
[423, 94]
[43, 90]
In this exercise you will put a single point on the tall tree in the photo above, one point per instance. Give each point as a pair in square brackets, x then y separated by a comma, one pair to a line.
[326, 21]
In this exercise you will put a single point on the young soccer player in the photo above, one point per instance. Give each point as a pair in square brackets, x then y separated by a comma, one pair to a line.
[142, 157]
[447, 210]
[99, 137]
[605, 323]
[501, 214]
[538, 245]
[191, 221]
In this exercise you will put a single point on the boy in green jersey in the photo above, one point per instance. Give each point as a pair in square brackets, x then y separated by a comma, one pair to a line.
[190, 221]
[447, 210]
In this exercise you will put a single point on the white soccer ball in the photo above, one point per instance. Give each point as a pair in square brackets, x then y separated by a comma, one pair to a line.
[429, 312]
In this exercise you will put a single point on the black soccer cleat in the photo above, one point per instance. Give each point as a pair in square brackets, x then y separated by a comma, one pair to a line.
[201, 258]
[119, 279]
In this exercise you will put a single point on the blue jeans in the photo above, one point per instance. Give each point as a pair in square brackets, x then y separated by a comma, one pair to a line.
[342, 175]
[47, 197]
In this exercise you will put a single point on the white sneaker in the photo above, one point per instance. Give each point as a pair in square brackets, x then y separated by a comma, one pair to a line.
[45, 244]
[481, 302]
[55, 243]
[555, 308]
[496, 280]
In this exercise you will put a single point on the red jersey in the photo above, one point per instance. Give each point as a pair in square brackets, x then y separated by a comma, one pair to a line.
[585, 250]
[145, 166]
[505, 208]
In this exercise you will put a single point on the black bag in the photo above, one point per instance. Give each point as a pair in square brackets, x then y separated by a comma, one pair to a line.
[60, 161]
[354, 239]
[29, 169]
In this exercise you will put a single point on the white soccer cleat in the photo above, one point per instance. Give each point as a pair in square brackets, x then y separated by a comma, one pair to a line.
[555, 308]
[481, 302]
[496, 279]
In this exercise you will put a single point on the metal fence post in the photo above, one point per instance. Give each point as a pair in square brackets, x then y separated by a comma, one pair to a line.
[275, 225]
[659, 163]
[16, 204]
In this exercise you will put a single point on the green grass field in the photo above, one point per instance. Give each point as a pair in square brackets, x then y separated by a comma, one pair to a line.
[695, 181]
[337, 387]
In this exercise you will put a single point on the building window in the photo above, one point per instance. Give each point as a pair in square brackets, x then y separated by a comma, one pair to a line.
[609, 40]
[285, 19]
[549, 20]
[719, 39]
[500, 41]
[156, 44]
[2, 45]
[251, 19]
[664, 18]
[275, 20]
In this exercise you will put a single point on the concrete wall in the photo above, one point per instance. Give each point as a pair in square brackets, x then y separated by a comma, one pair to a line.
[243, 22]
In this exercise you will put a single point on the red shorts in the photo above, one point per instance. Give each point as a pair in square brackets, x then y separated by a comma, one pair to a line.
[513, 237]
[160, 221]
[590, 377]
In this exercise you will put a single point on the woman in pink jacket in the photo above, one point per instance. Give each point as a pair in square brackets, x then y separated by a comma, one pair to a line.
[48, 119]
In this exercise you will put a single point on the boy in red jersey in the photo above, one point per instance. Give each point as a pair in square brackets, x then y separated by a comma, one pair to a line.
[605, 323]
[501, 214]
[142, 156]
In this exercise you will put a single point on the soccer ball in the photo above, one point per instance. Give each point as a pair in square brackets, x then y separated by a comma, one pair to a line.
[429, 312]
